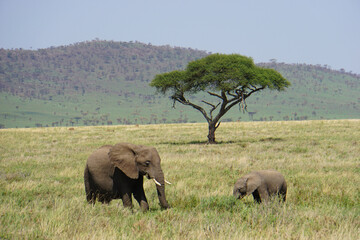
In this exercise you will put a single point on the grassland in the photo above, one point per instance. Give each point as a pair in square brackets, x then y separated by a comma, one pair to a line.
[42, 192]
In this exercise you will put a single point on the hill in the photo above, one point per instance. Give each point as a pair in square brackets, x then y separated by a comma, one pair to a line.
[106, 82]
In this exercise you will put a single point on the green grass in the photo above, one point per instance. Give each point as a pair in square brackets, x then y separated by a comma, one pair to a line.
[43, 197]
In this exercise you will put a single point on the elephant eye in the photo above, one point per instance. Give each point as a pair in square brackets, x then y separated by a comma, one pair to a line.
[147, 163]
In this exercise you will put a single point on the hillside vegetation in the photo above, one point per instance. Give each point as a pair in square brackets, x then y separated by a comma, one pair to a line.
[106, 82]
[43, 197]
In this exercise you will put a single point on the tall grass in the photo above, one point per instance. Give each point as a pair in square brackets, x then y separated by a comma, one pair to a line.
[43, 197]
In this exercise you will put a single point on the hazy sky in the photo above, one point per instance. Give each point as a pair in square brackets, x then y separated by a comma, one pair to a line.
[291, 31]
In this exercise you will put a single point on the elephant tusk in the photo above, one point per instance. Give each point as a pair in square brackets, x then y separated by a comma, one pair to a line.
[156, 182]
[168, 182]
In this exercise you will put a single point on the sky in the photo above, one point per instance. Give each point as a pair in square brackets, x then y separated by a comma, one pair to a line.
[325, 32]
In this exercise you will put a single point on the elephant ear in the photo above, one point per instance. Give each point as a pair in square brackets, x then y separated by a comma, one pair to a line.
[252, 183]
[123, 155]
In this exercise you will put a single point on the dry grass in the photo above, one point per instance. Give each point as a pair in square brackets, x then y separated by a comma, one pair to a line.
[42, 193]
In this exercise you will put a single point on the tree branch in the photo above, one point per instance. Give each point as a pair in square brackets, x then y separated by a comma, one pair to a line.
[238, 96]
[244, 96]
[212, 105]
[223, 109]
[233, 95]
[253, 87]
[214, 94]
[255, 90]
[211, 111]
[187, 102]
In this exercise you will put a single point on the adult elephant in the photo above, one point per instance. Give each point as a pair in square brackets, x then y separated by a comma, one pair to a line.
[117, 171]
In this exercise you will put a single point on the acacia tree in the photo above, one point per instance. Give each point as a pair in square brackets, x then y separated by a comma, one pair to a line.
[229, 79]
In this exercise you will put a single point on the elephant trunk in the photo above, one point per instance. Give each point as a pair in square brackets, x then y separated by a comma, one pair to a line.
[237, 194]
[161, 189]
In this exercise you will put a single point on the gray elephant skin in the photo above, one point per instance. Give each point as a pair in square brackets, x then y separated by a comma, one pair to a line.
[116, 171]
[262, 185]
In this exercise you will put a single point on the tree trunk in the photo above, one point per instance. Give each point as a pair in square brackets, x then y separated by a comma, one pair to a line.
[211, 135]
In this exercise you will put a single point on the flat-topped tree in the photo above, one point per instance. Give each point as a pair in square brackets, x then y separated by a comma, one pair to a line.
[229, 79]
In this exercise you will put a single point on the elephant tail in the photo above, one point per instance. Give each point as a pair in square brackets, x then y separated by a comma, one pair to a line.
[89, 190]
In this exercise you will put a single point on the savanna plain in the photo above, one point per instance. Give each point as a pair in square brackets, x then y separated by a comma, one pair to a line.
[43, 197]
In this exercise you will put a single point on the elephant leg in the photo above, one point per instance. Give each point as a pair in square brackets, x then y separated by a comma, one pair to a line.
[140, 197]
[256, 196]
[263, 193]
[122, 188]
[281, 197]
[127, 200]
[90, 197]
[282, 192]
[104, 198]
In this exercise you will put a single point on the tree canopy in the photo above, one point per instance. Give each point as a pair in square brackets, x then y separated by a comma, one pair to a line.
[229, 78]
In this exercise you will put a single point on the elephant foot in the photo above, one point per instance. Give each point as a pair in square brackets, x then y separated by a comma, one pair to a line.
[144, 206]
[127, 201]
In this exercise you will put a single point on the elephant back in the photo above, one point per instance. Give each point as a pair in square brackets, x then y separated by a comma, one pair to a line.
[274, 179]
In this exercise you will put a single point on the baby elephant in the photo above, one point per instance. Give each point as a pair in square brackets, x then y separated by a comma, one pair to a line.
[261, 184]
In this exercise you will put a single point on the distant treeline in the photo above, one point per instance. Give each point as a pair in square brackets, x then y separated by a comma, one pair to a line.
[86, 67]
[106, 82]
[94, 65]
